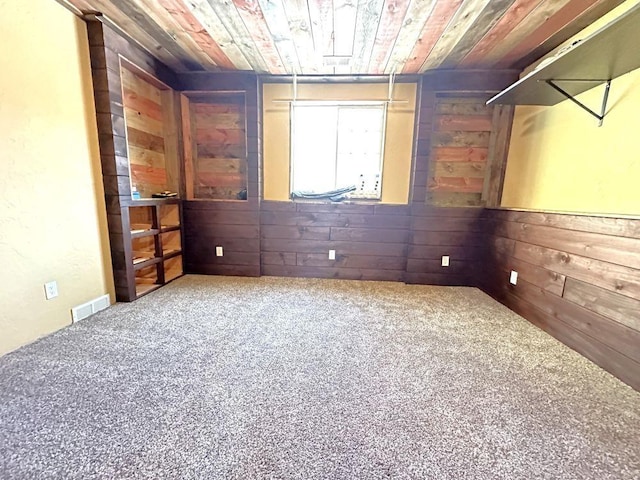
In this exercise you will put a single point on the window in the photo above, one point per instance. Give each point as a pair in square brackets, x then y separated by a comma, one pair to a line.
[336, 146]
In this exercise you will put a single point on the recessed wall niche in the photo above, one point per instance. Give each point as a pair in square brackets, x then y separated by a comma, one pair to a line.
[215, 145]
[152, 140]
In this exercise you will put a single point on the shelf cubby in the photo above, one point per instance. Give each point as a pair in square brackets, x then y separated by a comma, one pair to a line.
[172, 268]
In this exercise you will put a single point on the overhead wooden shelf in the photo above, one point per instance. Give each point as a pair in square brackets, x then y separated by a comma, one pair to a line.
[604, 55]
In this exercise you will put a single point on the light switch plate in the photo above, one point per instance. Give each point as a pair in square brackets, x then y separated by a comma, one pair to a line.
[51, 289]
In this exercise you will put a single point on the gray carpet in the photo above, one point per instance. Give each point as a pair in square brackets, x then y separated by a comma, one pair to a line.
[241, 378]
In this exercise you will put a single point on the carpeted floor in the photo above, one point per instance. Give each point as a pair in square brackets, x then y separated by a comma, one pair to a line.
[242, 378]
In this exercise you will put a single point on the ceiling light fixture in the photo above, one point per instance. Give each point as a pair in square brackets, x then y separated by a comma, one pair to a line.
[336, 60]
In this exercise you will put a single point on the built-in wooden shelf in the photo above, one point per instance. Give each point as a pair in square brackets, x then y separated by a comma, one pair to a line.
[140, 233]
[171, 253]
[146, 263]
[604, 55]
[144, 288]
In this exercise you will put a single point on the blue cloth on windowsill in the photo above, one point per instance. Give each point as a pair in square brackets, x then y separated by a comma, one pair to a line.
[334, 195]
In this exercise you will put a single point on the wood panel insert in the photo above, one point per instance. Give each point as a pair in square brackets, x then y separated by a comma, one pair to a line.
[217, 152]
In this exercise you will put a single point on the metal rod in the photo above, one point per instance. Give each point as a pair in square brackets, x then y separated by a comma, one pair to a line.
[570, 97]
[605, 98]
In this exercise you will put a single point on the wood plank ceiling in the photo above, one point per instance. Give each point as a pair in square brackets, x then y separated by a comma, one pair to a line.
[360, 36]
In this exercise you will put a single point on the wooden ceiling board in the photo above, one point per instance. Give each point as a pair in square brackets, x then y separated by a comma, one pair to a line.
[133, 11]
[605, 54]
[276, 19]
[393, 14]
[167, 22]
[585, 19]
[490, 15]
[511, 18]
[282, 37]
[556, 22]
[368, 17]
[344, 26]
[190, 24]
[526, 27]
[132, 29]
[321, 16]
[297, 13]
[228, 15]
[433, 28]
[207, 17]
[463, 19]
[417, 14]
[253, 18]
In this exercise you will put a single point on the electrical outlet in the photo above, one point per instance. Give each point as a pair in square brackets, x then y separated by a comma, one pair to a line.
[51, 289]
[513, 278]
[445, 260]
[332, 254]
[219, 252]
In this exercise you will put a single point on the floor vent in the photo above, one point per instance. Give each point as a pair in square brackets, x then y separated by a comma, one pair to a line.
[85, 310]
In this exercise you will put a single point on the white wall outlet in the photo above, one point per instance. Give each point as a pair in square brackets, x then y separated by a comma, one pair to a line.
[51, 289]
[513, 278]
[219, 252]
[332, 254]
[445, 260]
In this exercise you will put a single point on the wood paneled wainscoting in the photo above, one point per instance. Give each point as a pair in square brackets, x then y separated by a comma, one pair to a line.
[232, 225]
[370, 241]
[578, 279]
[456, 232]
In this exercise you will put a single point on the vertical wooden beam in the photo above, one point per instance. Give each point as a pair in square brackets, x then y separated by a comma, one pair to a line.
[187, 145]
[170, 123]
[498, 152]
[423, 145]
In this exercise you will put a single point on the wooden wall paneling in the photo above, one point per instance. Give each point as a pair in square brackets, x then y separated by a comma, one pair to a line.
[121, 139]
[436, 231]
[369, 240]
[233, 225]
[145, 114]
[598, 352]
[424, 127]
[578, 279]
[624, 310]
[619, 227]
[173, 141]
[462, 130]
[497, 155]
[187, 146]
[117, 41]
[472, 81]
[220, 159]
[612, 249]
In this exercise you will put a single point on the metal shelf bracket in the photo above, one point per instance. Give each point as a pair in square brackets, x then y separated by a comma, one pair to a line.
[605, 97]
